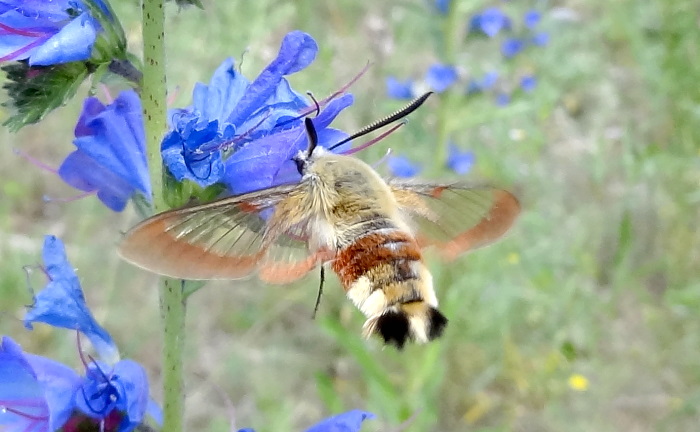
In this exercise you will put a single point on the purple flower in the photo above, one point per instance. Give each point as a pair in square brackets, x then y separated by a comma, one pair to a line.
[532, 18]
[400, 166]
[490, 21]
[38, 394]
[440, 77]
[232, 114]
[528, 83]
[111, 158]
[47, 32]
[399, 89]
[511, 47]
[350, 421]
[460, 162]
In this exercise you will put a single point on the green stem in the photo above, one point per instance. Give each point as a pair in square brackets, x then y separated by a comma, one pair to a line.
[172, 301]
[153, 92]
[451, 37]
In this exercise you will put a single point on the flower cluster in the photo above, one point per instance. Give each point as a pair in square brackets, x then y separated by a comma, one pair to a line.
[40, 394]
[243, 134]
[495, 25]
[237, 133]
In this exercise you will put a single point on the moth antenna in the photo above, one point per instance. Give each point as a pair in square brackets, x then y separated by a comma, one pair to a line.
[398, 115]
[311, 134]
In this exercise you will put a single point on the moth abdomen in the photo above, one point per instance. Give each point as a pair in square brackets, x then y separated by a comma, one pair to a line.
[383, 274]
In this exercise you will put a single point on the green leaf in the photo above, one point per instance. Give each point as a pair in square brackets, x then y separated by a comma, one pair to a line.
[36, 91]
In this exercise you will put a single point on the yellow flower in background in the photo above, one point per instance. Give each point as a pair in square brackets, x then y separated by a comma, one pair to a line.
[513, 258]
[578, 382]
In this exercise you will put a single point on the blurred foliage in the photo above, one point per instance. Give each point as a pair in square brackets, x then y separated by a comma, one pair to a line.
[584, 318]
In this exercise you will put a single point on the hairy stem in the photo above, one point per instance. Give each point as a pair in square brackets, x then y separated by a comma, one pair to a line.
[172, 301]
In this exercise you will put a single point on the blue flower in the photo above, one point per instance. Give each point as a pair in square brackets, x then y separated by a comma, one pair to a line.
[540, 39]
[267, 161]
[528, 83]
[532, 18]
[350, 421]
[399, 89]
[460, 162]
[231, 114]
[400, 166]
[442, 6]
[36, 393]
[502, 99]
[490, 21]
[62, 304]
[39, 394]
[440, 77]
[511, 47]
[111, 155]
[46, 32]
[485, 83]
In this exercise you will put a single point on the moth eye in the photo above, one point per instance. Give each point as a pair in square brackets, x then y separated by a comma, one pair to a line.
[301, 165]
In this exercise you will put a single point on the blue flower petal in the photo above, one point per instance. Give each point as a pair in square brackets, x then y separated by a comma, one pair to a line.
[460, 162]
[350, 421]
[72, 43]
[20, 391]
[82, 172]
[132, 382]
[255, 166]
[39, 388]
[298, 50]
[62, 304]
[440, 77]
[399, 89]
[59, 383]
[400, 166]
[217, 100]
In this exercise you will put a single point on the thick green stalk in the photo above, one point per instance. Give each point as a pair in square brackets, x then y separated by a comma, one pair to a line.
[172, 301]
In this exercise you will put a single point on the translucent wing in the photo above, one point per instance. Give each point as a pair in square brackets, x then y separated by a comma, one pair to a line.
[454, 216]
[226, 239]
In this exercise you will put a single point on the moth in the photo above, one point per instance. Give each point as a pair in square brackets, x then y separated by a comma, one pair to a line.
[371, 231]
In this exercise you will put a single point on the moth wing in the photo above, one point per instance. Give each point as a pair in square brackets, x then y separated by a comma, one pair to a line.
[455, 217]
[226, 239]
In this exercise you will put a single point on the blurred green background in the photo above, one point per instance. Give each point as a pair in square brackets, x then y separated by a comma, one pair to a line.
[585, 317]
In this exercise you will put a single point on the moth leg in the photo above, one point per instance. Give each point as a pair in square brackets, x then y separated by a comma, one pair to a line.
[320, 291]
